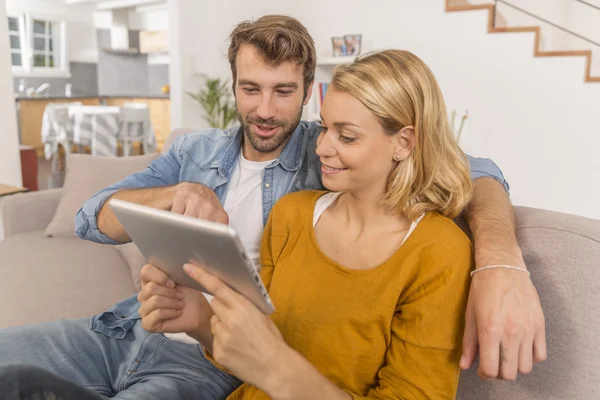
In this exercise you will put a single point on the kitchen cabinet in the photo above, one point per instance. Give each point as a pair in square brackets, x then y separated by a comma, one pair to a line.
[154, 42]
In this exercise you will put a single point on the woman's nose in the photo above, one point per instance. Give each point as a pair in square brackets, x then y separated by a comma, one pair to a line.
[324, 145]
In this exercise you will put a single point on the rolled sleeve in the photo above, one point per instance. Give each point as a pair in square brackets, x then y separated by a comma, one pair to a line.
[486, 168]
[86, 226]
[163, 171]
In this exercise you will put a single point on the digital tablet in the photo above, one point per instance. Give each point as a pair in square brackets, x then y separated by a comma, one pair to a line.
[170, 240]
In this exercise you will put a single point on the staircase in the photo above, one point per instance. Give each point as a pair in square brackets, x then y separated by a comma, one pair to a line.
[497, 24]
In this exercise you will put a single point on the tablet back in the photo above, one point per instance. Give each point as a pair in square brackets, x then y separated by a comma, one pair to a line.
[170, 240]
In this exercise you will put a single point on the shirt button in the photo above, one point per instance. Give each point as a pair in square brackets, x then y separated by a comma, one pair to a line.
[267, 185]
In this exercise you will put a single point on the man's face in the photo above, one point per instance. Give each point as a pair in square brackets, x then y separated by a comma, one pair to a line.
[269, 101]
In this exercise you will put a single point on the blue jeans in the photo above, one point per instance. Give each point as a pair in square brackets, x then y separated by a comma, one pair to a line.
[140, 366]
[18, 382]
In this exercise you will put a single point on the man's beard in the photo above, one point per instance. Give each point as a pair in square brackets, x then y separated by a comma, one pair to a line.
[269, 145]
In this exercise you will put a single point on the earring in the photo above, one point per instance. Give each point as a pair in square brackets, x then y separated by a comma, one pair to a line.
[397, 157]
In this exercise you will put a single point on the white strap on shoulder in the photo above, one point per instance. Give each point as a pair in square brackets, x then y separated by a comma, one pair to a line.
[323, 203]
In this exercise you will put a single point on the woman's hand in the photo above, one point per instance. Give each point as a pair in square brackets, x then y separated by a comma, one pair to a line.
[246, 341]
[167, 307]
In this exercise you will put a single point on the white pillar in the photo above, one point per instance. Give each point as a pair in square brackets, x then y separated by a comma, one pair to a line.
[186, 36]
[10, 162]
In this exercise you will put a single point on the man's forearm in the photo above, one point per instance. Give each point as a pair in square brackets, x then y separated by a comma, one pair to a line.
[491, 219]
[108, 224]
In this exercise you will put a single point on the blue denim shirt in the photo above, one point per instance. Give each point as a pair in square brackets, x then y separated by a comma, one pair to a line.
[209, 157]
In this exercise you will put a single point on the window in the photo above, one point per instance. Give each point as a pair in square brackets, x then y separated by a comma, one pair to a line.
[46, 44]
[15, 34]
[38, 46]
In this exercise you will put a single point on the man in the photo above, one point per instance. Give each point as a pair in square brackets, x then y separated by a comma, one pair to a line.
[235, 177]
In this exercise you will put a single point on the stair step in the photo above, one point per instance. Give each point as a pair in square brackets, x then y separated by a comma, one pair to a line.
[567, 53]
[462, 5]
[502, 29]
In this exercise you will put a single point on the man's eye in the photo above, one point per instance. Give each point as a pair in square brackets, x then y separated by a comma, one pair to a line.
[250, 90]
[284, 92]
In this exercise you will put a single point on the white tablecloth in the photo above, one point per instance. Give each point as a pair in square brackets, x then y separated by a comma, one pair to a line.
[79, 130]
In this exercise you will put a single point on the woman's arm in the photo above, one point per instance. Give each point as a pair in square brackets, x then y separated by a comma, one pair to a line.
[249, 345]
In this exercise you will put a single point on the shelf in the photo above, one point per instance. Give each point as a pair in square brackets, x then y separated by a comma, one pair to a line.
[335, 60]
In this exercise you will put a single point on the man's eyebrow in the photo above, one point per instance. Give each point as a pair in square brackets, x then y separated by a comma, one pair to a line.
[247, 82]
[291, 85]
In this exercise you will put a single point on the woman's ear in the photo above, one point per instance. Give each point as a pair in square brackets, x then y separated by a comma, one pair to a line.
[404, 142]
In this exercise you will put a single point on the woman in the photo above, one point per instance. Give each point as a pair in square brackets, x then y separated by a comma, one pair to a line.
[370, 279]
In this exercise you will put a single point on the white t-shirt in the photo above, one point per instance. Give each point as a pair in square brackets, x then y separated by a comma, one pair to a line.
[243, 204]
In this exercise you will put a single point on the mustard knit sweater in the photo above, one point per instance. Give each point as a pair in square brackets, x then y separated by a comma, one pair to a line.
[389, 332]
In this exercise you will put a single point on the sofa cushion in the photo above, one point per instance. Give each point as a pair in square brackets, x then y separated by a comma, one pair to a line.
[562, 253]
[85, 176]
[135, 259]
[44, 279]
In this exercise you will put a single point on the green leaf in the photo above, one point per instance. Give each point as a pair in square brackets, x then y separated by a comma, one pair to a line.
[216, 99]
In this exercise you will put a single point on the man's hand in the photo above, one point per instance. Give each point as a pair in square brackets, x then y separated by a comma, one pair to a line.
[188, 198]
[167, 307]
[197, 200]
[505, 319]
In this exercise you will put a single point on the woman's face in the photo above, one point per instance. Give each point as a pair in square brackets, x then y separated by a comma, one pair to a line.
[356, 154]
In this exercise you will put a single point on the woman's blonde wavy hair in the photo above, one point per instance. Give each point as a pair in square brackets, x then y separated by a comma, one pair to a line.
[401, 90]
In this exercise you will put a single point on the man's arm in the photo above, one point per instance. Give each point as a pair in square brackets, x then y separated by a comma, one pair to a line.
[109, 225]
[504, 317]
[157, 186]
[160, 174]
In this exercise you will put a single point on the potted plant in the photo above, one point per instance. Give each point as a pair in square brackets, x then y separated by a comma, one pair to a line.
[216, 99]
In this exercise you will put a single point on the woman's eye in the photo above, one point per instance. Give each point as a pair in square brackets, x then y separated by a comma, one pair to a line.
[346, 139]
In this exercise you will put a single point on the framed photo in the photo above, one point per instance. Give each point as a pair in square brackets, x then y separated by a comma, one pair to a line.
[339, 46]
[353, 44]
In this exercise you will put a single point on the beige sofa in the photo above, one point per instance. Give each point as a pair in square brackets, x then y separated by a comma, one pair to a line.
[46, 278]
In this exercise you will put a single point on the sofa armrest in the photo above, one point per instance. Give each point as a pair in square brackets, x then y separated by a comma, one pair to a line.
[28, 212]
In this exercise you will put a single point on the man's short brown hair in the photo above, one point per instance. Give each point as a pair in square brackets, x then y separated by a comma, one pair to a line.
[277, 38]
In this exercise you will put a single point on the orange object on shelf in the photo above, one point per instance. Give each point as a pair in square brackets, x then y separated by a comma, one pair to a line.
[29, 167]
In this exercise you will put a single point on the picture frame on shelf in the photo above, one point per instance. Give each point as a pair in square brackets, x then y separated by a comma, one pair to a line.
[338, 46]
[353, 44]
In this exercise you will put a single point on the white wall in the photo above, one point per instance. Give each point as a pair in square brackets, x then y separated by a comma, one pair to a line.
[10, 163]
[569, 14]
[534, 116]
[81, 35]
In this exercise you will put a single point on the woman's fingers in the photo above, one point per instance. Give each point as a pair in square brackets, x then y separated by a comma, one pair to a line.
[153, 289]
[154, 321]
[159, 302]
[213, 285]
[150, 273]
